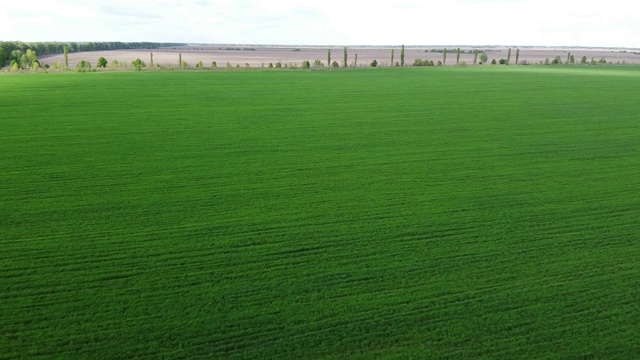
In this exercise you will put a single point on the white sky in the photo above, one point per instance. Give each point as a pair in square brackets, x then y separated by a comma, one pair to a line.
[610, 23]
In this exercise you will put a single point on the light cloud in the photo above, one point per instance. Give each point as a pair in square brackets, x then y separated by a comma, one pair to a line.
[330, 22]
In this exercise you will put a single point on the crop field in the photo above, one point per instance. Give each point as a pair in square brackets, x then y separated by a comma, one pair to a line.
[374, 213]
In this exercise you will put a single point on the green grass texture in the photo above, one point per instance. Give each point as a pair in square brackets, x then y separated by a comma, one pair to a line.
[376, 213]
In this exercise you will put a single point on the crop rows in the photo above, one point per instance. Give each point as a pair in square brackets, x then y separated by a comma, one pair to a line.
[440, 212]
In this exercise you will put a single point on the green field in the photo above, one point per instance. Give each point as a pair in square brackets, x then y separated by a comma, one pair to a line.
[377, 213]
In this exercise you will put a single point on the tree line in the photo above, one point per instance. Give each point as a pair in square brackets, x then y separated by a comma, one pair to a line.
[55, 48]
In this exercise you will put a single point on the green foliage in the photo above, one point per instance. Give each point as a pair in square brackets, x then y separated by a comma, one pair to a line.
[102, 62]
[380, 220]
[557, 60]
[344, 60]
[508, 57]
[318, 64]
[329, 57]
[517, 56]
[402, 56]
[335, 64]
[420, 62]
[306, 64]
[392, 57]
[14, 66]
[66, 56]
[214, 65]
[83, 66]
[458, 55]
[503, 62]
[184, 64]
[270, 65]
[374, 63]
[493, 62]
[484, 58]
[475, 56]
[278, 65]
[444, 57]
[199, 65]
[583, 60]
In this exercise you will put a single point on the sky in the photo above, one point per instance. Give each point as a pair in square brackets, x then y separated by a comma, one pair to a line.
[610, 23]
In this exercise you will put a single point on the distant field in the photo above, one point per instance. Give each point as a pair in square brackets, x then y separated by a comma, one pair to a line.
[257, 56]
[381, 213]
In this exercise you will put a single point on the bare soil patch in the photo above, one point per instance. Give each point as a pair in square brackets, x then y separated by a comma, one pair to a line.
[257, 56]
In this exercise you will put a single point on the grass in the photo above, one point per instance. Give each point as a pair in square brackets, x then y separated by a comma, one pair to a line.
[382, 213]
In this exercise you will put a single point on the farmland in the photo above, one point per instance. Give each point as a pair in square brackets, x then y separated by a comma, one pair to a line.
[370, 213]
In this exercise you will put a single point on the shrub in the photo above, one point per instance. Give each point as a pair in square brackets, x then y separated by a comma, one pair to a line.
[102, 62]
[374, 63]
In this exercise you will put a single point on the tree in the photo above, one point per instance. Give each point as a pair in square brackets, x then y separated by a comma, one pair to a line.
[344, 61]
[199, 65]
[517, 55]
[493, 62]
[572, 59]
[3, 57]
[484, 58]
[183, 64]
[391, 57]
[66, 56]
[583, 61]
[475, 56]
[355, 62]
[102, 62]
[83, 66]
[557, 60]
[329, 57]
[457, 56]
[151, 60]
[374, 63]
[402, 56]
[335, 64]
[306, 64]
[444, 57]
[214, 65]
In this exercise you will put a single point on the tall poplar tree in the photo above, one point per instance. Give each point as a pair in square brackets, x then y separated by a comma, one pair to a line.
[345, 58]
[509, 56]
[402, 56]
[66, 56]
[444, 57]
[457, 56]
[179, 59]
[151, 59]
[329, 58]
[475, 56]
[391, 57]
[517, 55]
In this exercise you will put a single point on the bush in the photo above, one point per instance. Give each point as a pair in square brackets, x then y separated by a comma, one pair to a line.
[83, 66]
[102, 62]
[214, 65]
[493, 62]
[335, 64]
[374, 63]
[306, 64]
